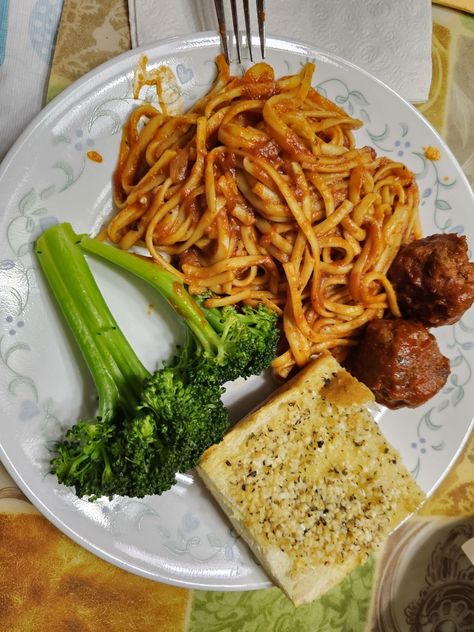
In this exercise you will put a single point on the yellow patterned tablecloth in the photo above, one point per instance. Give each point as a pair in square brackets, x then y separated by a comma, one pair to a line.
[420, 582]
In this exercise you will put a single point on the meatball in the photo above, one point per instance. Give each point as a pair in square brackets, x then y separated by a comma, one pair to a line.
[433, 279]
[399, 360]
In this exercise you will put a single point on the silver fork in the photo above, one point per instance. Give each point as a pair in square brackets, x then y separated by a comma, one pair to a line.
[220, 11]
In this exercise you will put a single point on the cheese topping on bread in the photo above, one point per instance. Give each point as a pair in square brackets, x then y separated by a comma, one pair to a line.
[309, 481]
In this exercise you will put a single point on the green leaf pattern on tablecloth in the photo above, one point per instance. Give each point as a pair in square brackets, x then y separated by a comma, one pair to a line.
[342, 609]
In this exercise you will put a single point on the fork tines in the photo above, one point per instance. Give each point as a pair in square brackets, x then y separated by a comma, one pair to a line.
[220, 11]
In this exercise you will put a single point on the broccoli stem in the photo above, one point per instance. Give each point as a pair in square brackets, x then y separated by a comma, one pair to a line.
[117, 372]
[166, 283]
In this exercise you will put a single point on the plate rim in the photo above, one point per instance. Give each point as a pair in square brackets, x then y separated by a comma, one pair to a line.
[181, 44]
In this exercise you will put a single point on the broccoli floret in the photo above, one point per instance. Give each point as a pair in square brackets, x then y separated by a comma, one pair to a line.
[248, 340]
[90, 458]
[167, 397]
[170, 396]
[228, 342]
[149, 426]
[152, 463]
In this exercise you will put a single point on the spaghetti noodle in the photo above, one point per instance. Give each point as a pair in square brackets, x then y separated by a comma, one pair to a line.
[259, 194]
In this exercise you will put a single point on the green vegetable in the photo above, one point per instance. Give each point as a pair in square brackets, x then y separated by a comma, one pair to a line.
[148, 427]
[226, 343]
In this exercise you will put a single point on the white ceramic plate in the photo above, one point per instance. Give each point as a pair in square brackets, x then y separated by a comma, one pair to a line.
[180, 537]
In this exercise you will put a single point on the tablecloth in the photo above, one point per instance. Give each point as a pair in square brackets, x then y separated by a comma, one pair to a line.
[420, 582]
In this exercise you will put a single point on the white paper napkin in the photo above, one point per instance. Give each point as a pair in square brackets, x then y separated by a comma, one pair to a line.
[389, 38]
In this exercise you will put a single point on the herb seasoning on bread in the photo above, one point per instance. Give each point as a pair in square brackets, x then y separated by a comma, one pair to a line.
[309, 482]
